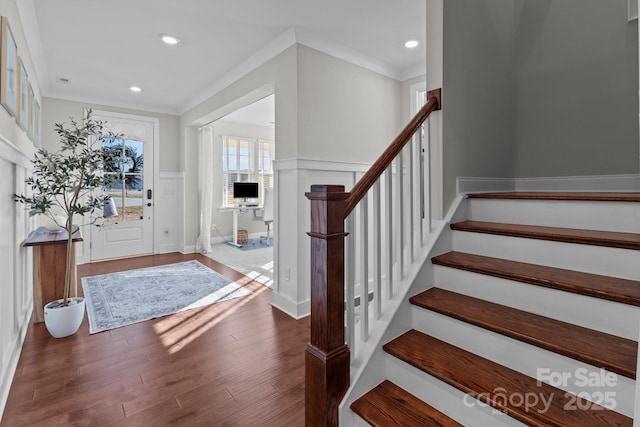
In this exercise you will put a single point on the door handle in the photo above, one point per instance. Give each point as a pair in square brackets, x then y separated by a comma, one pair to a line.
[149, 204]
[149, 195]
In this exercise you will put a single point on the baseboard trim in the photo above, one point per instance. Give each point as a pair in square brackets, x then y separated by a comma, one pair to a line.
[11, 367]
[630, 182]
[168, 248]
[293, 309]
[580, 183]
[188, 249]
[481, 185]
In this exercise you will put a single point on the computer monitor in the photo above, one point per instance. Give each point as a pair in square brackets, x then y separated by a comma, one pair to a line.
[245, 190]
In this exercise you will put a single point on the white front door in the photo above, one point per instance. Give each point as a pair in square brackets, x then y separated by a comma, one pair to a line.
[130, 167]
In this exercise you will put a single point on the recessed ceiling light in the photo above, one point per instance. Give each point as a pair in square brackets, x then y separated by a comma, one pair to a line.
[135, 89]
[411, 44]
[169, 39]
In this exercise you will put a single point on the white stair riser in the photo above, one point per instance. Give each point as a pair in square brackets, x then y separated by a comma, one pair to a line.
[606, 316]
[447, 399]
[526, 358]
[594, 313]
[588, 258]
[590, 215]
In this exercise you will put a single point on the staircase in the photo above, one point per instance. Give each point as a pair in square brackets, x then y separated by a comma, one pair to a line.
[532, 318]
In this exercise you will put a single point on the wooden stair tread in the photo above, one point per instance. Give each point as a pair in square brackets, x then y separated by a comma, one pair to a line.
[481, 378]
[390, 405]
[549, 195]
[625, 291]
[602, 350]
[613, 239]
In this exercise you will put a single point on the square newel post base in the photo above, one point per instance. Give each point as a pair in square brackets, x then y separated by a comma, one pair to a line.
[328, 373]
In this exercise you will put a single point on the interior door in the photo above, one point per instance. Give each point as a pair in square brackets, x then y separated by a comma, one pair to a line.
[129, 168]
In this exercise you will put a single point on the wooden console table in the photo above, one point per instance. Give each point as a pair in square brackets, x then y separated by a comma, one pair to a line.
[49, 265]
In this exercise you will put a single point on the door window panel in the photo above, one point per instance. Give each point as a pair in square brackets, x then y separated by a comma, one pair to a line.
[124, 167]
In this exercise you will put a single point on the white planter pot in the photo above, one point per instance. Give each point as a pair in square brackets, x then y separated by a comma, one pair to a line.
[64, 321]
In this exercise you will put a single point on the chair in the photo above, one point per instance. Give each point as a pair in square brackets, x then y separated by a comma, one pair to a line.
[267, 213]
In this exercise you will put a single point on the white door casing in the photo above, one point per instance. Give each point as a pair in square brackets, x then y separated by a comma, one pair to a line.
[131, 233]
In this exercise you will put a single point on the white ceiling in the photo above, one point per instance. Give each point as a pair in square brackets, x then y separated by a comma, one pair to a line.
[104, 47]
[260, 113]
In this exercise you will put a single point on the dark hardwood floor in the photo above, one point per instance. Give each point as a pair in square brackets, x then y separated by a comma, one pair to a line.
[235, 363]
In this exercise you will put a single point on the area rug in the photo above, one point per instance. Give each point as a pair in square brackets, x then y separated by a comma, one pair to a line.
[254, 244]
[127, 297]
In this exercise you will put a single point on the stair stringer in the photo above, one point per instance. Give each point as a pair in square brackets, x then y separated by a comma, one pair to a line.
[368, 367]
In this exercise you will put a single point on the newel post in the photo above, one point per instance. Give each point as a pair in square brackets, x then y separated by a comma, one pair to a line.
[327, 356]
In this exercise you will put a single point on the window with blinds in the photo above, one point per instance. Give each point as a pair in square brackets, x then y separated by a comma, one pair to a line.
[246, 160]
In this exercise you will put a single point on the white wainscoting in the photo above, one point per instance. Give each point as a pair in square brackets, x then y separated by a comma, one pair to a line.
[15, 264]
[294, 177]
[169, 212]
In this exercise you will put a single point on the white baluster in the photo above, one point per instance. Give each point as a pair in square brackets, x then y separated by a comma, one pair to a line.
[425, 131]
[364, 267]
[400, 255]
[412, 185]
[377, 251]
[388, 175]
[350, 261]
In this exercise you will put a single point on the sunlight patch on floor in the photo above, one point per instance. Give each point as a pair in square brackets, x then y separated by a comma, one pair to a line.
[178, 331]
[261, 278]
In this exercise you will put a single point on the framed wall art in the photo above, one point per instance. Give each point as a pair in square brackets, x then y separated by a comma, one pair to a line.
[32, 115]
[8, 68]
[37, 133]
[23, 97]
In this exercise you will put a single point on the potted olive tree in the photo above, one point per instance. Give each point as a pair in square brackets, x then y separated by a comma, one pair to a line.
[66, 183]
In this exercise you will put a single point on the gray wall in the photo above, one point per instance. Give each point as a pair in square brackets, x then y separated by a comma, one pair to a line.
[538, 88]
[577, 86]
[345, 112]
[478, 91]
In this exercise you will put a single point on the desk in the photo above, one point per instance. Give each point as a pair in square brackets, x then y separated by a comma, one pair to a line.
[49, 267]
[236, 210]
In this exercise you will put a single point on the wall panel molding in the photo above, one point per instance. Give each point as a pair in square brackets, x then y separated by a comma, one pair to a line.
[16, 289]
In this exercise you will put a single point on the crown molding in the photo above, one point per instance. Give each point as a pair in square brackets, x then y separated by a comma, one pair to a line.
[291, 37]
[268, 52]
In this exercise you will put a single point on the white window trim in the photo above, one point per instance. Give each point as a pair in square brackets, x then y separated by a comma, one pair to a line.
[254, 162]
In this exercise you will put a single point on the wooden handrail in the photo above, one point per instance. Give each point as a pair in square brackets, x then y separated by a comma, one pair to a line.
[359, 190]
[327, 356]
